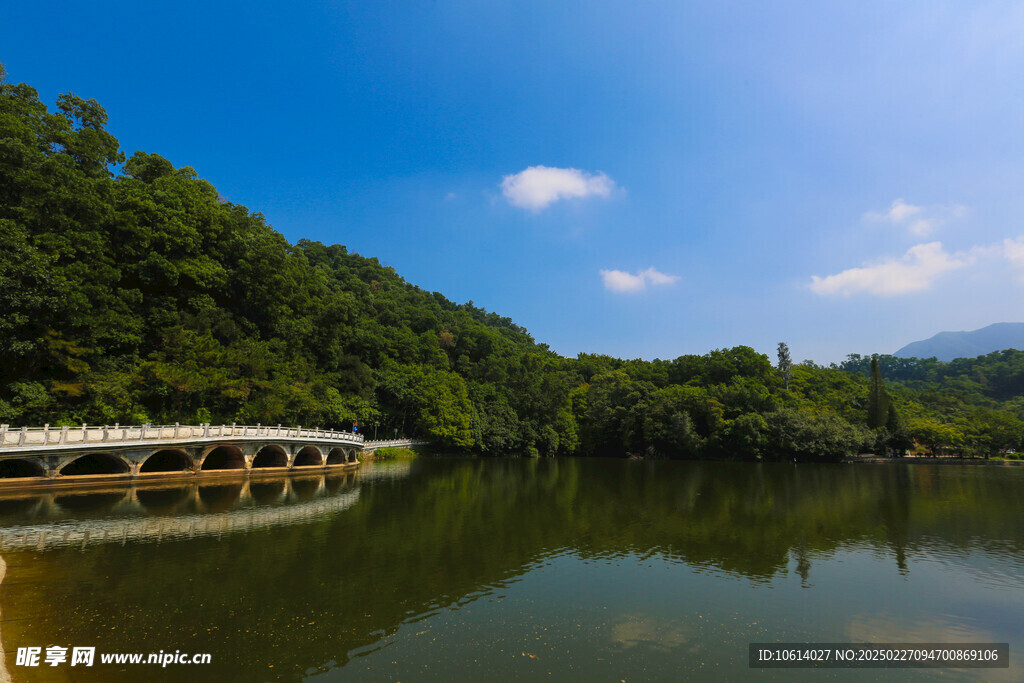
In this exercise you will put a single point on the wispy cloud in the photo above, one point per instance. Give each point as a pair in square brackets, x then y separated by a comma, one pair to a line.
[622, 281]
[919, 220]
[1013, 251]
[919, 268]
[538, 187]
[915, 271]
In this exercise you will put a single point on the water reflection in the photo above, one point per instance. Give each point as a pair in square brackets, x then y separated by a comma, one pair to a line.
[217, 498]
[88, 503]
[640, 630]
[15, 510]
[608, 561]
[306, 488]
[272, 492]
[163, 501]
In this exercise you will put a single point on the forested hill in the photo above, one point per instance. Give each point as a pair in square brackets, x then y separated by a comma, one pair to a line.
[146, 297]
[131, 292]
[994, 379]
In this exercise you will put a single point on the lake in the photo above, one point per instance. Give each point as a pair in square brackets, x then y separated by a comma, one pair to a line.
[517, 569]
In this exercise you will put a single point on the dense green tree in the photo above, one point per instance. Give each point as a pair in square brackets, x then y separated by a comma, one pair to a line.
[745, 437]
[806, 435]
[668, 425]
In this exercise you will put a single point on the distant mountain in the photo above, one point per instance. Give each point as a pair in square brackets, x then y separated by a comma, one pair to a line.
[949, 345]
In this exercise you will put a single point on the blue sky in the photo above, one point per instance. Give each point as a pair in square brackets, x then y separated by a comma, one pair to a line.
[639, 179]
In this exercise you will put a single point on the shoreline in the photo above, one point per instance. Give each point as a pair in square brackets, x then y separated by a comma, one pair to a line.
[932, 460]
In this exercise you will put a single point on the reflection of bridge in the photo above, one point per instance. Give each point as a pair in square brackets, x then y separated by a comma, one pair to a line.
[141, 529]
[70, 454]
[154, 512]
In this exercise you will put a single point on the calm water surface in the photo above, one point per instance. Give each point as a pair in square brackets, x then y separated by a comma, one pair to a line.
[512, 570]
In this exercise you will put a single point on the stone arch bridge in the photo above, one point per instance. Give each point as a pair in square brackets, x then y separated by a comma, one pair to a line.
[72, 454]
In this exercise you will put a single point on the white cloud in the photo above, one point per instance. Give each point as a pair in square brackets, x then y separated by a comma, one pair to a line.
[922, 227]
[539, 186]
[919, 220]
[899, 212]
[621, 281]
[1013, 251]
[914, 272]
[657, 278]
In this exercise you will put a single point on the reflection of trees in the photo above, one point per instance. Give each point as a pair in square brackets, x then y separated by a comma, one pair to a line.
[894, 509]
[313, 593]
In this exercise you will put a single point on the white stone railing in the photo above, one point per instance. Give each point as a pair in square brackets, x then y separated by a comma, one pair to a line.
[394, 442]
[85, 435]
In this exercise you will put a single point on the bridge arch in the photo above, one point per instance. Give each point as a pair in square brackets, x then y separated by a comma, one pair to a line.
[10, 469]
[95, 463]
[224, 458]
[337, 456]
[167, 460]
[271, 456]
[309, 456]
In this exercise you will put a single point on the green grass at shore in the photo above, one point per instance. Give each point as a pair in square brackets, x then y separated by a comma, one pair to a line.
[392, 452]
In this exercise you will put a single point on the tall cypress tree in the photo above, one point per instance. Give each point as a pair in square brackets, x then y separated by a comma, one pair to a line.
[878, 400]
[785, 363]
